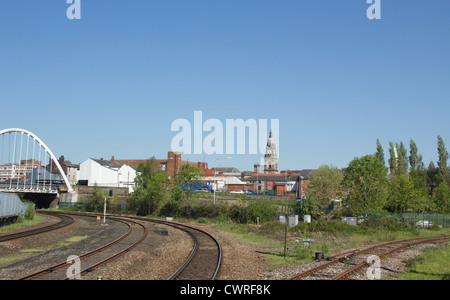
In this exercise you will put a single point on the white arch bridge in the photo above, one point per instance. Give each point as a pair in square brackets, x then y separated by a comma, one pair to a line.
[27, 165]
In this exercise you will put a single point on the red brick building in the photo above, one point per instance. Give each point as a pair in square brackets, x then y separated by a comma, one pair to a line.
[171, 164]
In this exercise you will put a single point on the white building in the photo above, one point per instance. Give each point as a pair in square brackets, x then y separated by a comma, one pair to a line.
[223, 181]
[104, 173]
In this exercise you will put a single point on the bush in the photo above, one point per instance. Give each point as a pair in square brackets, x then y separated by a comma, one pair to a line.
[171, 208]
[320, 225]
[264, 209]
[393, 223]
[29, 214]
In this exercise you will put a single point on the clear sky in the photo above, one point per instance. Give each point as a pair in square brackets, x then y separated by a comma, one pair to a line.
[113, 82]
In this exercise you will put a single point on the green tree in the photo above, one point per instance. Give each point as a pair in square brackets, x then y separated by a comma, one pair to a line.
[432, 175]
[366, 177]
[398, 161]
[402, 195]
[442, 198]
[415, 159]
[145, 172]
[96, 203]
[324, 184]
[380, 152]
[151, 188]
[443, 169]
[402, 159]
[187, 176]
[393, 158]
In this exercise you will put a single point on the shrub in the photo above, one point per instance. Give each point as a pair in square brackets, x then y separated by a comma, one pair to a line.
[393, 223]
[264, 209]
[171, 208]
[29, 213]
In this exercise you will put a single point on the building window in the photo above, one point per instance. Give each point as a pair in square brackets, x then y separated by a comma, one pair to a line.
[163, 167]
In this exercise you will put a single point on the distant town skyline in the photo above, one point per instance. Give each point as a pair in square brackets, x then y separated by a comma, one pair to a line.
[112, 82]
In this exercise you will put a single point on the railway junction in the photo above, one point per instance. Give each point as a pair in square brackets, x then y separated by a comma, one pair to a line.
[79, 246]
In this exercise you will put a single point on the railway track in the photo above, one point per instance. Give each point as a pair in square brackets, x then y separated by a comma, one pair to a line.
[65, 221]
[343, 265]
[136, 233]
[203, 262]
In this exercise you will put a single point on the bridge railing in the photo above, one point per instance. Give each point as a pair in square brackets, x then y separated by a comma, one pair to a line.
[23, 164]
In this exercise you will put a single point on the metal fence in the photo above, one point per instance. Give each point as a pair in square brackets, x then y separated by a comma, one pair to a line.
[421, 220]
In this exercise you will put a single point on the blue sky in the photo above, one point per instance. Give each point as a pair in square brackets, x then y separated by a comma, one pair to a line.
[113, 82]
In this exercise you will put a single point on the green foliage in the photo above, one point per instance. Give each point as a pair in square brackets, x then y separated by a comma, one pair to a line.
[187, 175]
[415, 159]
[151, 188]
[431, 265]
[324, 185]
[442, 198]
[96, 203]
[398, 161]
[306, 206]
[366, 177]
[324, 226]
[443, 169]
[30, 211]
[402, 194]
[264, 209]
[380, 152]
[393, 223]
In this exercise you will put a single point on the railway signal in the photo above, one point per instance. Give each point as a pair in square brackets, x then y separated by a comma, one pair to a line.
[108, 194]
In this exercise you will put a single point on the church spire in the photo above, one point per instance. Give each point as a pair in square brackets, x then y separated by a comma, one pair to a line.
[270, 158]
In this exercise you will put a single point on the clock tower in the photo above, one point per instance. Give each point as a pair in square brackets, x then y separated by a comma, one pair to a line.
[271, 158]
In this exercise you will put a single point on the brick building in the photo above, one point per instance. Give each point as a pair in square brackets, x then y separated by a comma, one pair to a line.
[171, 164]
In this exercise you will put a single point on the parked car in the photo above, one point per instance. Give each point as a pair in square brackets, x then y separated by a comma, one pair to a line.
[237, 192]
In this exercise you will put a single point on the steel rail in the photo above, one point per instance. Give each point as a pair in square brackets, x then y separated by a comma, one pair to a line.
[365, 264]
[89, 269]
[190, 230]
[65, 221]
[351, 253]
[59, 265]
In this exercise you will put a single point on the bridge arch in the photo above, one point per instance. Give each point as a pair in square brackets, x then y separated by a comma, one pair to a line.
[43, 145]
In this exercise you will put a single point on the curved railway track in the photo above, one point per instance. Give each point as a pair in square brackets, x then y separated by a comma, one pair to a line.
[343, 265]
[203, 262]
[65, 221]
[136, 233]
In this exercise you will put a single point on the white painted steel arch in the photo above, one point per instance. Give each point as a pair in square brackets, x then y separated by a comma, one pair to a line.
[23, 131]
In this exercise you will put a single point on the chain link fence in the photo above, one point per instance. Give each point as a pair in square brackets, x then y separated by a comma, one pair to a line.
[421, 220]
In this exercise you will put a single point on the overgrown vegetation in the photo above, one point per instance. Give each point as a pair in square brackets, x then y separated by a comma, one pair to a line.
[431, 265]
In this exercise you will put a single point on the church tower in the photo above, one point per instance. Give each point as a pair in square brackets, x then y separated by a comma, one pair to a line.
[271, 158]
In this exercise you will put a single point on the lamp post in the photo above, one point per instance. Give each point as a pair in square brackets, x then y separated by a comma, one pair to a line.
[215, 185]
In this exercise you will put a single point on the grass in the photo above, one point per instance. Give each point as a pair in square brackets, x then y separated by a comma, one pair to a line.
[270, 236]
[36, 220]
[24, 253]
[433, 264]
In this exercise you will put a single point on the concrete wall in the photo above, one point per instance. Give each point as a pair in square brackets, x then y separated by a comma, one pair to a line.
[84, 194]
